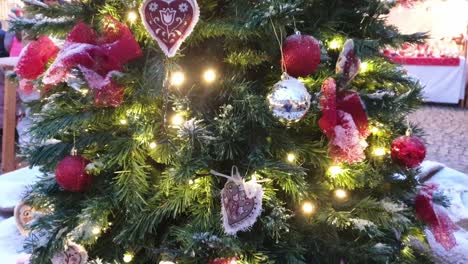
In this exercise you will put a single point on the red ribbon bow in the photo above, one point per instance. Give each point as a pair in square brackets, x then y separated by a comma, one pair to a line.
[434, 215]
[344, 122]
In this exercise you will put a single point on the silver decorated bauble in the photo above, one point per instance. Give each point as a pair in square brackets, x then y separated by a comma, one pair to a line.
[289, 100]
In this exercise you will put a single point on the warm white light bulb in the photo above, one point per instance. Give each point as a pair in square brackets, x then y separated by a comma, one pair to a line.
[177, 120]
[308, 208]
[209, 75]
[374, 130]
[291, 157]
[177, 78]
[96, 230]
[335, 170]
[153, 145]
[364, 67]
[379, 152]
[334, 44]
[341, 194]
[127, 257]
[132, 16]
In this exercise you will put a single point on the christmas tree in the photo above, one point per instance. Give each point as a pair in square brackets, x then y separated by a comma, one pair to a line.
[216, 131]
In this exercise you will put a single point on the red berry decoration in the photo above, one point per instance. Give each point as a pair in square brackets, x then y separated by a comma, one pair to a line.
[301, 55]
[71, 174]
[408, 151]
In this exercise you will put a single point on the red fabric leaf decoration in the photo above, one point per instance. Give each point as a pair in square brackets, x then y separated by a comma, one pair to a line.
[348, 63]
[328, 104]
[350, 102]
[110, 95]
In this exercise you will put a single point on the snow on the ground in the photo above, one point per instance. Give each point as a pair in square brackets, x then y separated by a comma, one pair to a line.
[11, 241]
[13, 185]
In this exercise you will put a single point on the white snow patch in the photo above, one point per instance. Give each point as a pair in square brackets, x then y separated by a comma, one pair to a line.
[14, 184]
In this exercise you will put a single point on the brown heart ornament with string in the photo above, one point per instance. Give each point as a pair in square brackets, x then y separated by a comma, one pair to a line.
[241, 202]
[170, 22]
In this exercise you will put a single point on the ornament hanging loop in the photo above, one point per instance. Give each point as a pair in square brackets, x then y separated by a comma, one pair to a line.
[295, 27]
[409, 131]
[279, 39]
[235, 175]
[74, 151]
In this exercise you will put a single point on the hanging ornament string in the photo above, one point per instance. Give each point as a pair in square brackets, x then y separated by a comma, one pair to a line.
[166, 87]
[74, 151]
[295, 27]
[249, 187]
[279, 39]
[409, 131]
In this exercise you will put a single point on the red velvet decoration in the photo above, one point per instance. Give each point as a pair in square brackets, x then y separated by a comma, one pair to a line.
[26, 87]
[301, 55]
[435, 216]
[224, 261]
[119, 43]
[408, 3]
[427, 61]
[97, 57]
[110, 95]
[71, 174]
[409, 152]
[344, 121]
[82, 33]
[35, 57]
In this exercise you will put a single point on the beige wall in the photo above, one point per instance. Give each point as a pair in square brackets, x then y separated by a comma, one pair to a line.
[443, 18]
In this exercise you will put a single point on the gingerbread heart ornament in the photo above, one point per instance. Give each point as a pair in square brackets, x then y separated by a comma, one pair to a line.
[170, 22]
[24, 214]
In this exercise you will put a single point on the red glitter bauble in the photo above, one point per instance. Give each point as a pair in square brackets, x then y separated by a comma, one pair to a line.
[408, 151]
[301, 55]
[71, 174]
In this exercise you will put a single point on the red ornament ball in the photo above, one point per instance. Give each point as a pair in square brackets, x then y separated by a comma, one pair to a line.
[301, 55]
[224, 261]
[408, 151]
[71, 174]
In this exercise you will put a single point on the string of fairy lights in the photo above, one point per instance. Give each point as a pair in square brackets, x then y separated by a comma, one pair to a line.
[209, 76]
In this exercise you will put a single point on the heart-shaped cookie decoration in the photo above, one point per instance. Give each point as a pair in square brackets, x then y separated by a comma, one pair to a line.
[241, 205]
[170, 22]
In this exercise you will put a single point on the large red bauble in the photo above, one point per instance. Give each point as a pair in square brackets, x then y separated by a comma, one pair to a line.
[408, 151]
[301, 55]
[71, 174]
